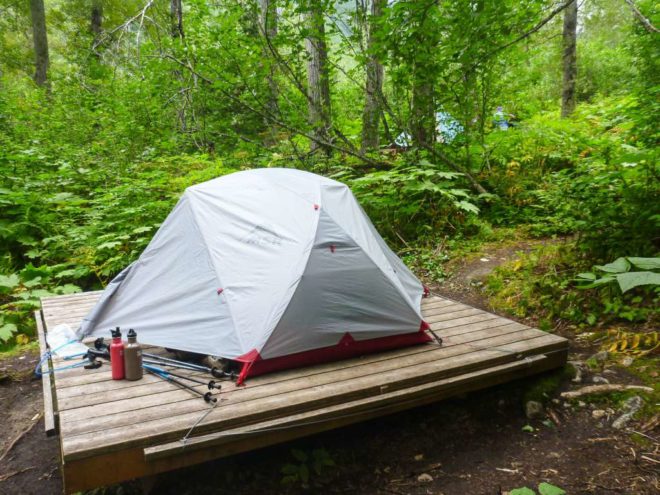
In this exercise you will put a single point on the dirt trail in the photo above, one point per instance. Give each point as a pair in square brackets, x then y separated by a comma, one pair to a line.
[478, 444]
[468, 274]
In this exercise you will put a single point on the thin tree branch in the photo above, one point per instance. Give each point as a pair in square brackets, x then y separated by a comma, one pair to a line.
[536, 28]
[272, 118]
[641, 18]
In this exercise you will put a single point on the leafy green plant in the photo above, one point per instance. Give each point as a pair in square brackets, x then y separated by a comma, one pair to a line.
[538, 284]
[543, 489]
[20, 295]
[621, 272]
[306, 465]
[413, 199]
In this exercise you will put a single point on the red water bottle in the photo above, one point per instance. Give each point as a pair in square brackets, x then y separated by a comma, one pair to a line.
[117, 355]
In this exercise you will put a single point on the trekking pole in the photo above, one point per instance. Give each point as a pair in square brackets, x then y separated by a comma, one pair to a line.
[178, 366]
[166, 376]
[174, 361]
[211, 384]
[100, 345]
[216, 372]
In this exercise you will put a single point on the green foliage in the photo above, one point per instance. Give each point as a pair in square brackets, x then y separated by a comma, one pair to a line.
[314, 464]
[591, 176]
[619, 271]
[20, 295]
[540, 284]
[89, 170]
[543, 489]
[410, 195]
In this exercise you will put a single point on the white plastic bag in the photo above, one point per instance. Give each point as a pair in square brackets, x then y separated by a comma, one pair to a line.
[63, 342]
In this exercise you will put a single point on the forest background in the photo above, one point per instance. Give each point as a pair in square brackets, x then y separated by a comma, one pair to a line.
[457, 123]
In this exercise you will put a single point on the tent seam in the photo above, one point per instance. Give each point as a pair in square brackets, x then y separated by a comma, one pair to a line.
[309, 253]
[215, 271]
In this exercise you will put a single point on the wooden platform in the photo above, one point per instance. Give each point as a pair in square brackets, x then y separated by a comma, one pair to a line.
[112, 431]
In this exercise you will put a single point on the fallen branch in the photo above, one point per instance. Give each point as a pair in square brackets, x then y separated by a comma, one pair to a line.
[602, 389]
[18, 437]
[5, 477]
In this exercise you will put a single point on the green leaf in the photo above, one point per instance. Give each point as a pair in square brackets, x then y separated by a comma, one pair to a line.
[32, 283]
[108, 245]
[646, 263]
[467, 206]
[9, 281]
[586, 276]
[522, 491]
[289, 469]
[597, 283]
[68, 289]
[299, 455]
[7, 331]
[548, 489]
[304, 473]
[528, 428]
[631, 280]
[620, 265]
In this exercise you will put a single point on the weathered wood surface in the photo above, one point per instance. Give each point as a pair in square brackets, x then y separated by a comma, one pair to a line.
[50, 422]
[136, 427]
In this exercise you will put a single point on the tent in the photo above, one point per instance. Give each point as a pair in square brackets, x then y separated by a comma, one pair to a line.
[273, 268]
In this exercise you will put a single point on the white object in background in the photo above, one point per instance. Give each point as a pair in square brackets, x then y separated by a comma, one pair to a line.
[63, 342]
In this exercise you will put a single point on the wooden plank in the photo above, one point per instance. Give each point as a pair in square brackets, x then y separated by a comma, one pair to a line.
[141, 393]
[79, 296]
[300, 401]
[481, 316]
[452, 315]
[330, 413]
[297, 381]
[103, 384]
[71, 387]
[50, 424]
[76, 378]
[435, 302]
[112, 467]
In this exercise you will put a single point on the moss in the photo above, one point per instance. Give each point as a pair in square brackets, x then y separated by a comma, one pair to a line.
[19, 349]
[545, 386]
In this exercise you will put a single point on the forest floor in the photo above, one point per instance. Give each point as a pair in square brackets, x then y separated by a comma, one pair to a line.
[481, 443]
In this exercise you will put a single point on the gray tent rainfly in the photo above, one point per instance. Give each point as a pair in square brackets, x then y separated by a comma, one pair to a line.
[273, 268]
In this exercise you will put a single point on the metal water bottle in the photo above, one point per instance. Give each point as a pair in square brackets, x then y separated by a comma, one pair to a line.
[132, 357]
[117, 355]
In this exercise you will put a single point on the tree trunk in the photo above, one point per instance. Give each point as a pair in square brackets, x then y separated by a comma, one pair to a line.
[40, 40]
[569, 59]
[96, 24]
[97, 18]
[318, 79]
[176, 17]
[268, 20]
[374, 84]
[422, 121]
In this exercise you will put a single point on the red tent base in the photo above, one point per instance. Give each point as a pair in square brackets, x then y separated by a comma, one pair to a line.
[254, 364]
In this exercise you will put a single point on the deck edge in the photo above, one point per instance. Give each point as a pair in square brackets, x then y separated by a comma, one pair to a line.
[50, 416]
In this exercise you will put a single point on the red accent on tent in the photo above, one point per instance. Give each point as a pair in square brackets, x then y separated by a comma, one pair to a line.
[332, 248]
[316, 207]
[427, 291]
[219, 291]
[347, 347]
